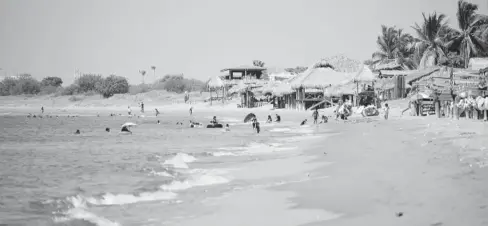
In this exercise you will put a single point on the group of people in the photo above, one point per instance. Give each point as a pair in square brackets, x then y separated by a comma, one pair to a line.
[141, 105]
[270, 119]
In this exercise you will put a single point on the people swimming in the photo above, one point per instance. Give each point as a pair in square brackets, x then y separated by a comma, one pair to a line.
[191, 110]
[194, 124]
[42, 109]
[125, 129]
[107, 129]
[227, 128]
[325, 119]
[214, 120]
[278, 118]
[303, 122]
[258, 128]
[270, 120]
[159, 122]
[129, 111]
[77, 131]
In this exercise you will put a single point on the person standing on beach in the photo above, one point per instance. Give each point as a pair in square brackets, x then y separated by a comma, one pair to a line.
[157, 112]
[315, 116]
[129, 111]
[386, 110]
[191, 110]
[42, 109]
[142, 107]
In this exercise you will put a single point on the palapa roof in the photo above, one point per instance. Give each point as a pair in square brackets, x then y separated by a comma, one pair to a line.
[238, 88]
[478, 63]
[394, 72]
[215, 82]
[319, 78]
[342, 63]
[364, 75]
[385, 83]
[419, 74]
[390, 65]
[339, 90]
[284, 87]
[244, 68]
[283, 74]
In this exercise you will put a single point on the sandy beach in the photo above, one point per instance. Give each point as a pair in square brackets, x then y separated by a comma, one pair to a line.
[359, 172]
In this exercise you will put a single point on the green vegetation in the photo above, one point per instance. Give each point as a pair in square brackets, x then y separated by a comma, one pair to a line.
[435, 42]
[89, 84]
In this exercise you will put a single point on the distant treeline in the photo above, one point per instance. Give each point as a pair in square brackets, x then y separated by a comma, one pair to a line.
[25, 84]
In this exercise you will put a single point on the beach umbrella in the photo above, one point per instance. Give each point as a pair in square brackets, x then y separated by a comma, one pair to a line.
[129, 124]
[249, 117]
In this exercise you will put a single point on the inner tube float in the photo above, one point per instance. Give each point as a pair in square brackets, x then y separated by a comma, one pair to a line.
[217, 125]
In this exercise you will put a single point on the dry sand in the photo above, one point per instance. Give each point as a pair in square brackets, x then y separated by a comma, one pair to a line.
[356, 174]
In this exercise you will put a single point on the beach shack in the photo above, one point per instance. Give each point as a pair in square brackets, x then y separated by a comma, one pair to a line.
[244, 72]
[311, 86]
[215, 84]
[285, 95]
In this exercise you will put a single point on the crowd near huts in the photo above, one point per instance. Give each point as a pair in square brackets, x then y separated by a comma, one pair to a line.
[441, 90]
[442, 69]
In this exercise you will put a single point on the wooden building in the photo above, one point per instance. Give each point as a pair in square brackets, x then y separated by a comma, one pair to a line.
[243, 72]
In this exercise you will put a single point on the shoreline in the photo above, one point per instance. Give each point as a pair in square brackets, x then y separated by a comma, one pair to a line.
[340, 173]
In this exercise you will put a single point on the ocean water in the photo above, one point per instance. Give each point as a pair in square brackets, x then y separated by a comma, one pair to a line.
[156, 176]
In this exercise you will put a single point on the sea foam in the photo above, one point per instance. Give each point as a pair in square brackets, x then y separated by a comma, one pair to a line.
[198, 177]
[180, 160]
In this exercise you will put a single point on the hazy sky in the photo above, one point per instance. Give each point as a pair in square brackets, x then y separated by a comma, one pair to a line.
[194, 37]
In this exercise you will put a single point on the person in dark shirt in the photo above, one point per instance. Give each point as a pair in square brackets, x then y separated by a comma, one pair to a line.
[278, 118]
[315, 116]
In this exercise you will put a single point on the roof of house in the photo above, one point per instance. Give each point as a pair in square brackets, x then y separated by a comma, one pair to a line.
[391, 65]
[215, 82]
[478, 63]
[319, 78]
[244, 68]
[394, 72]
[418, 74]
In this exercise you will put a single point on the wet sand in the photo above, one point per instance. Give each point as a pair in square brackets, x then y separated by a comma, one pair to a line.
[430, 170]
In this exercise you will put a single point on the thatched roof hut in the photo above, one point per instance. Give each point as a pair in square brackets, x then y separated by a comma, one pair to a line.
[238, 88]
[215, 82]
[364, 75]
[343, 64]
[388, 65]
[319, 78]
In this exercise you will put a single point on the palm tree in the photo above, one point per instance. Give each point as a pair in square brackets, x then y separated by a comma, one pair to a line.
[430, 45]
[143, 73]
[465, 40]
[393, 45]
[403, 51]
[258, 63]
[153, 68]
[386, 45]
